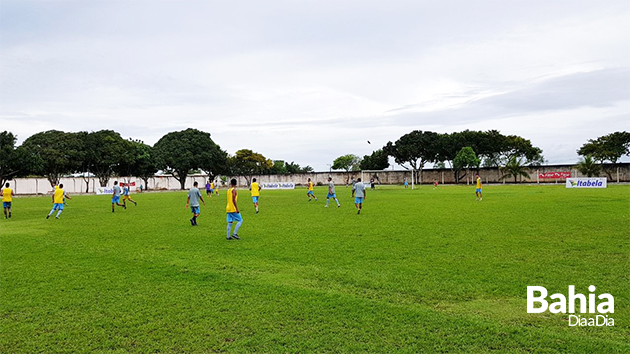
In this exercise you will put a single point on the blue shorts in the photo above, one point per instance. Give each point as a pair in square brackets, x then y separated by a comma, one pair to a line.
[210, 191]
[234, 217]
[478, 190]
[358, 200]
[334, 195]
[115, 199]
[6, 204]
[255, 199]
[195, 209]
[58, 206]
[310, 192]
[406, 183]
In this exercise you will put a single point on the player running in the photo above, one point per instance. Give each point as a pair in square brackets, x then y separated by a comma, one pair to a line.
[232, 211]
[116, 196]
[331, 193]
[127, 196]
[209, 189]
[478, 190]
[57, 198]
[255, 191]
[360, 194]
[194, 196]
[7, 199]
[309, 192]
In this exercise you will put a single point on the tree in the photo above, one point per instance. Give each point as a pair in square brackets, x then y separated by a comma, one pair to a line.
[348, 163]
[54, 154]
[515, 168]
[14, 161]
[465, 158]
[377, 161]
[588, 167]
[180, 152]
[104, 151]
[609, 147]
[247, 163]
[140, 162]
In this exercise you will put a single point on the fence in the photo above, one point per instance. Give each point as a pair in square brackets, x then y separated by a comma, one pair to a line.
[75, 185]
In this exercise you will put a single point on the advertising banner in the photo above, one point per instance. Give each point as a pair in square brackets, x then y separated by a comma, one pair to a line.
[554, 175]
[104, 190]
[592, 182]
[282, 185]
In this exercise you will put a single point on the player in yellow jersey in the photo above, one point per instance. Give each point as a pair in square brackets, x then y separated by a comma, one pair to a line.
[7, 199]
[478, 190]
[309, 192]
[255, 191]
[57, 200]
[232, 212]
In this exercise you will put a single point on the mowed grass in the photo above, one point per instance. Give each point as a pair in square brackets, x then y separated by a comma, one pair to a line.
[418, 271]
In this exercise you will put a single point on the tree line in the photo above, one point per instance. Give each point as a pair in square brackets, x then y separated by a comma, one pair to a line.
[104, 154]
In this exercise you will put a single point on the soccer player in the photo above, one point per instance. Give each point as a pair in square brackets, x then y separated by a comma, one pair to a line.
[309, 193]
[478, 190]
[232, 211]
[406, 183]
[255, 191]
[360, 194]
[116, 197]
[194, 196]
[209, 189]
[127, 197]
[57, 198]
[331, 193]
[435, 183]
[7, 199]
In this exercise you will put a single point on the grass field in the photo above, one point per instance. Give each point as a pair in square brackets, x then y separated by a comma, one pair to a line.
[418, 271]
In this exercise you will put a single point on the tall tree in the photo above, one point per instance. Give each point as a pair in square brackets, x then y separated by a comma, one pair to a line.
[247, 163]
[180, 152]
[14, 162]
[415, 149]
[55, 154]
[609, 147]
[379, 160]
[514, 168]
[347, 162]
[140, 162]
[465, 159]
[104, 150]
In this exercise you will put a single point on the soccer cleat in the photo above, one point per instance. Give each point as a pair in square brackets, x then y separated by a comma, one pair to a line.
[235, 236]
[56, 217]
[257, 211]
[229, 239]
[125, 206]
[192, 222]
[338, 205]
[326, 206]
[359, 211]
[47, 216]
[135, 203]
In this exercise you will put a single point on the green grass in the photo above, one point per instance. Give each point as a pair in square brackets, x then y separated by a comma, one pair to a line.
[418, 271]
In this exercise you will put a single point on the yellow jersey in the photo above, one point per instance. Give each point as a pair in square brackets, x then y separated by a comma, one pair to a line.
[231, 207]
[255, 189]
[310, 186]
[7, 195]
[211, 185]
[478, 182]
[58, 196]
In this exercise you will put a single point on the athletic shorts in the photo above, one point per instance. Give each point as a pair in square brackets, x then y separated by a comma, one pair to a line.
[358, 200]
[6, 204]
[58, 206]
[234, 217]
[406, 183]
[115, 199]
[255, 199]
[210, 191]
[195, 209]
[478, 190]
[310, 192]
[126, 197]
[334, 195]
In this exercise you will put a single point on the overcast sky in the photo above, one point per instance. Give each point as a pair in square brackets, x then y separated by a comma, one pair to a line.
[308, 81]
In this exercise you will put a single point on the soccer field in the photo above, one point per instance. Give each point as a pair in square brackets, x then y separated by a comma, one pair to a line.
[418, 271]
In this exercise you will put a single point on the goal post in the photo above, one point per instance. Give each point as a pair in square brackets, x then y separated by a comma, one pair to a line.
[370, 173]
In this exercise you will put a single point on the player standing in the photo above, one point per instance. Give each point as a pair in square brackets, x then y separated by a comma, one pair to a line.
[478, 190]
[7, 199]
[57, 199]
[360, 194]
[310, 193]
[116, 197]
[406, 183]
[127, 197]
[194, 196]
[331, 193]
[255, 191]
[232, 211]
[209, 189]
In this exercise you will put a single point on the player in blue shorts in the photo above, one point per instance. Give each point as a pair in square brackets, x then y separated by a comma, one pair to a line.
[331, 193]
[116, 196]
[360, 194]
[194, 196]
[233, 214]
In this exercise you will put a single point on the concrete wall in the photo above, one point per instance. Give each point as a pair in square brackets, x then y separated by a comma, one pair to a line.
[620, 173]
